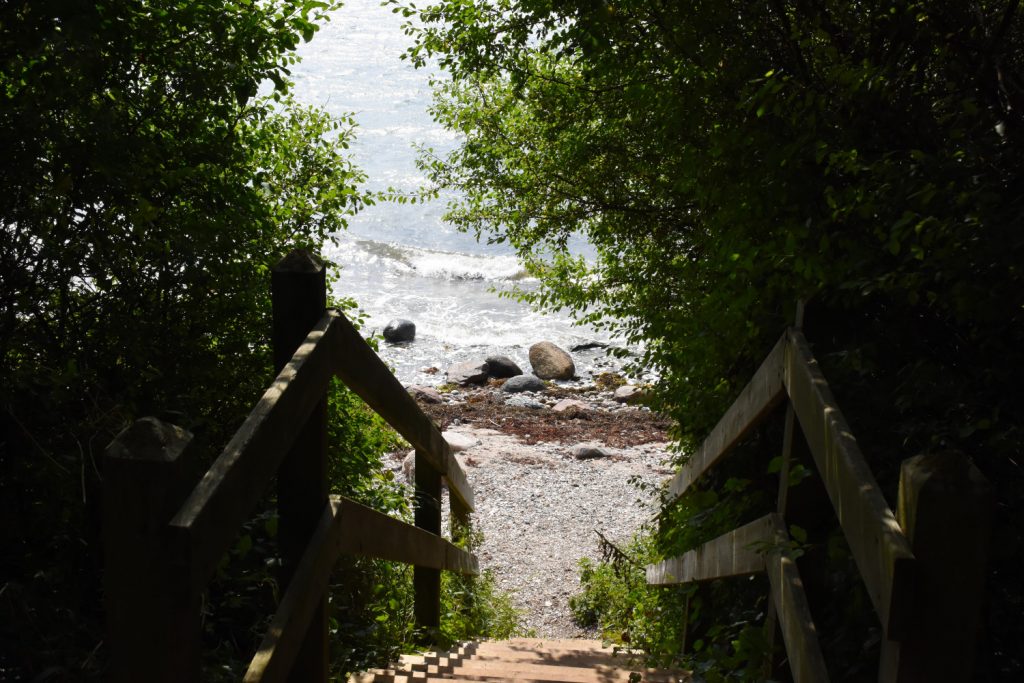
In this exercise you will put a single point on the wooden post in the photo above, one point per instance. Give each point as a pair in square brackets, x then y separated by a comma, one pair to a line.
[773, 667]
[427, 582]
[299, 296]
[945, 508]
[153, 616]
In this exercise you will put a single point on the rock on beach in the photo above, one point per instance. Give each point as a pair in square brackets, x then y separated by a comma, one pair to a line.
[399, 330]
[502, 366]
[459, 442]
[426, 394]
[551, 362]
[469, 372]
[629, 393]
[588, 451]
[520, 401]
[570, 404]
[514, 385]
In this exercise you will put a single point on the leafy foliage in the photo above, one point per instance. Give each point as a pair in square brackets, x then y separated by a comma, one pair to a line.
[473, 606]
[679, 626]
[726, 159]
[147, 193]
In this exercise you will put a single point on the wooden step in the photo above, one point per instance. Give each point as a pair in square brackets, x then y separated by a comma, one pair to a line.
[522, 653]
[497, 669]
[547, 644]
[512, 675]
[522, 660]
[575, 659]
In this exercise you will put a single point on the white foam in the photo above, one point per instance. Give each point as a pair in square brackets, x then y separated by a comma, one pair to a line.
[451, 266]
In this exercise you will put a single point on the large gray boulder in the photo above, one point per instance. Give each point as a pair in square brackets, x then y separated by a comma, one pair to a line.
[551, 362]
[469, 372]
[514, 385]
[400, 330]
[503, 366]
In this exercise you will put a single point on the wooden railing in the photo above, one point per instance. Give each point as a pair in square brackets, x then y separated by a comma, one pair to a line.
[165, 535]
[923, 567]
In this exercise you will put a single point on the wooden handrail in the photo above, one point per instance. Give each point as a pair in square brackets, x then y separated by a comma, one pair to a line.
[368, 533]
[806, 659]
[762, 393]
[283, 640]
[879, 546]
[880, 541]
[207, 522]
[204, 527]
[359, 367]
[733, 554]
[186, 535]
[346, 527]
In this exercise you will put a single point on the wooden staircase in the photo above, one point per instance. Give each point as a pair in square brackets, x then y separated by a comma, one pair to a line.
[522, 660]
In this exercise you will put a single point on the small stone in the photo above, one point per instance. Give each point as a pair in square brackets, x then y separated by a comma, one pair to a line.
[586, 346]
[502, 366]
[524, 402]
[409, 467]
[588, 451]
[469, 372]
[629, 393]
[569, 404]
[399, 330]
[409, 470]
[425, 394]
[520, 383]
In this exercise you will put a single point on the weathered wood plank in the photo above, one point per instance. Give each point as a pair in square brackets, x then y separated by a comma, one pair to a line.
[345, 527]
[945, 507]
[208, 520]
[426, 582]
[153, 623]
[733, 554]
[285, 635]
[363, 371]
[373, 534]
[879, 547]
[762, 393]
[298, 293]
[806, 661]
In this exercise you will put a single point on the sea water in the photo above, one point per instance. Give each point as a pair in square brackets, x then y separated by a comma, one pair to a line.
[403, 260]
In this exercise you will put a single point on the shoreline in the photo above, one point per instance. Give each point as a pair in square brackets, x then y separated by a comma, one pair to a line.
[541, 501]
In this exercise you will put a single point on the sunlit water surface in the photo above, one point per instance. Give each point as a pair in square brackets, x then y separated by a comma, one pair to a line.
[402, 260]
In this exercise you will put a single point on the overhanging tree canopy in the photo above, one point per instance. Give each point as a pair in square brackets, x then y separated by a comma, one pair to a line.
[146, 190]
[727, 158]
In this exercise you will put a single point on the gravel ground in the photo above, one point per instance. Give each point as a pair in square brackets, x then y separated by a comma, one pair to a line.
[539, 507]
